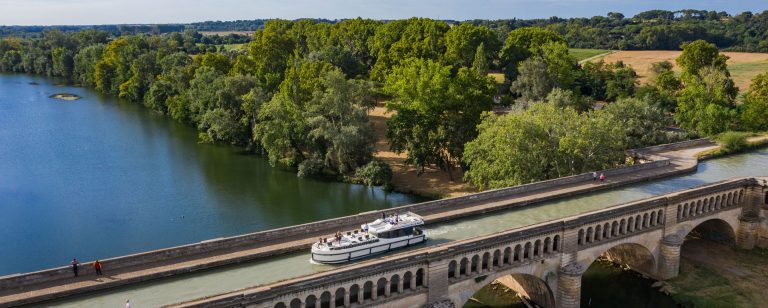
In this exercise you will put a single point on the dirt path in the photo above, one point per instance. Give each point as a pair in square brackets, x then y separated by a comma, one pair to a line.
[433, 182]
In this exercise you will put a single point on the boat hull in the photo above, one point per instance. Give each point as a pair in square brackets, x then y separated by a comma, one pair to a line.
[342, 256]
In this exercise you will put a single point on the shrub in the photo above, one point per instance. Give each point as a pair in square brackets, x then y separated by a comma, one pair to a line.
[732, 141]
[375, 172]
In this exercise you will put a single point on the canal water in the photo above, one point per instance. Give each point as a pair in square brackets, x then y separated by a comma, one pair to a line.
[98, 177]
[230, 278]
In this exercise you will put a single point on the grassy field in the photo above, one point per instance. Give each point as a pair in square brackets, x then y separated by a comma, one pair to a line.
[225, 33]
[234, 46]
[582, 54]
[743, 66]
[499, 77]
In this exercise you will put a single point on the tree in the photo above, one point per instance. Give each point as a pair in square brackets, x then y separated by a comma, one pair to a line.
[436, 112]
[643, 124]
[539, 143]
[706, 103]
[700, 54]
[338, 123]
[84, 69]
[480, 63]
[568, 99]
[534, 81]
[754, 111]
[523, 43]
[463, 41]
[63, 62]
[376, 172]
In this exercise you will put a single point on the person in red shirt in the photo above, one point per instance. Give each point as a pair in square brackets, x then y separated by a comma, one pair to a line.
[97, 267]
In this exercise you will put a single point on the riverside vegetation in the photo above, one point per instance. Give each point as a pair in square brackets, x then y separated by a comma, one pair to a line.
[300, 92]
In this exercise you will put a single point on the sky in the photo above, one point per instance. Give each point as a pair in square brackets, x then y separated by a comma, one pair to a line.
[89, 12]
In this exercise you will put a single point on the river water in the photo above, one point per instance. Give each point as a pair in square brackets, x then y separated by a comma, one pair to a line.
[99, 177]
[230, 278]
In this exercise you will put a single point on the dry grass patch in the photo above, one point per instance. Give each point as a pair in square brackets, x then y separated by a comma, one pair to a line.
[433, 182]
[743, 66]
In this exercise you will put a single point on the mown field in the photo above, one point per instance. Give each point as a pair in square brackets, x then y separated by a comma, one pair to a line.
[743, 66]
[583, 54]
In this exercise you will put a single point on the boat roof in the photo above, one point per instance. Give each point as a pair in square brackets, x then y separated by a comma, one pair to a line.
[405, 220]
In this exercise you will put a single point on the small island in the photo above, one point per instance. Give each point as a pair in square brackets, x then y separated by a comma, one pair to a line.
[66, 96]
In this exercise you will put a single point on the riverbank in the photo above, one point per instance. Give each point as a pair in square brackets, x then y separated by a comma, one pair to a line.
[716, 275]
[753, 142]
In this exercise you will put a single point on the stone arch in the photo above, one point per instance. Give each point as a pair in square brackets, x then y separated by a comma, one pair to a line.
[339, 296]
[518, 253]
[536, 248]
[598, 233]
[464, 267]
[711, 204]
[381, 287]
[485, 262]
[581, 237]
[714, 229]
[705, 205]
[645, 220]
[684, 213]
[638, 257]
[652, 222]
[525, 285]
[741, 196]
[630, 224]
[325, 300]
[407, 277]
[296, 303]
[527, 251]
[394, 282]
[589, 235]
[497, 258]
[368, 291]
[280, 305]
[547, 245]
[614, 229]
[354, 291]
[607, 230]
[556, 243]
[659, 217]
[623, 226]
[452, 267]
[474, 266]
[311, 301]
[507, 255]
[419, 277]
[717, 202]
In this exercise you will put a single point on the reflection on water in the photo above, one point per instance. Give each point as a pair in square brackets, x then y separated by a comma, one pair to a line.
[98, 177]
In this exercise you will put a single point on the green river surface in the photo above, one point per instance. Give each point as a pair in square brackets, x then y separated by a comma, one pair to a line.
[147, 184]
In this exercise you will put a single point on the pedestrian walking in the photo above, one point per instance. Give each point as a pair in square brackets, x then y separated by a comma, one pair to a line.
[74, 266]
[97, 267]
[594, 175]
[127, 303]
[602, 177]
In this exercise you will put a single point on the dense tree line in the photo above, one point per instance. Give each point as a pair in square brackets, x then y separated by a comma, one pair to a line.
[299, 94]
[656, 30]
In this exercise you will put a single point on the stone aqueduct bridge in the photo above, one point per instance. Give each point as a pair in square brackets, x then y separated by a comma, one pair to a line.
[546, 260]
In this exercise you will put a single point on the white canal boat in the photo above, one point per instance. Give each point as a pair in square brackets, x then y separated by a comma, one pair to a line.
[382, 235]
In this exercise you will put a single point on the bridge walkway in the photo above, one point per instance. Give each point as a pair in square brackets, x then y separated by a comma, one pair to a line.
[681, 161]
